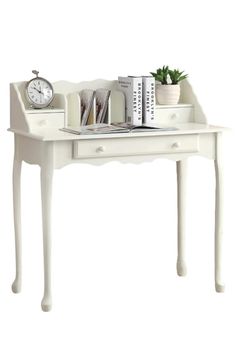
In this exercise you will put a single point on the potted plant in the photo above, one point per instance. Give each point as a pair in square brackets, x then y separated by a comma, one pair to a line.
[167, 85]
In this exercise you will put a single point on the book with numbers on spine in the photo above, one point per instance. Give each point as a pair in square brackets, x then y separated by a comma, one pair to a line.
[149, 100]
[132, 88]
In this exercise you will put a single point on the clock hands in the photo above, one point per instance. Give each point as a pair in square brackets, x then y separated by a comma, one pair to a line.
[39, 91]
[34, 88]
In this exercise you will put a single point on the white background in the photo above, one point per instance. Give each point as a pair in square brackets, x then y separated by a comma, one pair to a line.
[115, 288]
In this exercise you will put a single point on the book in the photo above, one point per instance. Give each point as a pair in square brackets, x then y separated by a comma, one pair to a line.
[132, 89]
[102, 98]
[87, 99]
[149, 100]
[125, 127]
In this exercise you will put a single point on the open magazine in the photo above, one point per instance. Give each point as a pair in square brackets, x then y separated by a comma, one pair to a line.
[114, 128]
[141, 128]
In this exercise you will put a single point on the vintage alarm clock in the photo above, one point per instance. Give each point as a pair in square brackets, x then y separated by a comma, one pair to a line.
[39, 91]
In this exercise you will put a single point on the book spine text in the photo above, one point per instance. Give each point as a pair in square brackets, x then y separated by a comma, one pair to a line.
[149, 100]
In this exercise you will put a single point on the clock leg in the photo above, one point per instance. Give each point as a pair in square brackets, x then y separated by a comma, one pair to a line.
[46, 194]
[219, 286]
[181, 181]
[16, 286]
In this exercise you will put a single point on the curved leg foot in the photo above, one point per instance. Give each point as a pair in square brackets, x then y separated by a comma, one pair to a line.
[220, 288]
[46, 303]
[16, 286]
[181, 268]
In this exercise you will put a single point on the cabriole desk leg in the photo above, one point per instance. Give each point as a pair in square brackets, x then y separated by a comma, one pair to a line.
[16, 286]
[46, 194]
[181, 167]
[219, 286]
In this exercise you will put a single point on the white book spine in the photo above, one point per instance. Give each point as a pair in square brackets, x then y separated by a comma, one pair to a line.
[132, 89]
[149, 100]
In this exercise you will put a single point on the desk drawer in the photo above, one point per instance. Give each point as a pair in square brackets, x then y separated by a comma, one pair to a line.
[151, 145]
[174, 115]
[46, 121]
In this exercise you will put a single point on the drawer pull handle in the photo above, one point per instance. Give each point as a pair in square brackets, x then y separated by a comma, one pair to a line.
[175, 116]
[42, 123]
[100, 149]
[176, 145]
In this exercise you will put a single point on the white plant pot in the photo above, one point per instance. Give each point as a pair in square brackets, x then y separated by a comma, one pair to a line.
[167, 94]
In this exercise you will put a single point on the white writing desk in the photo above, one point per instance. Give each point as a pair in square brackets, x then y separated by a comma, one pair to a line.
[38, 140]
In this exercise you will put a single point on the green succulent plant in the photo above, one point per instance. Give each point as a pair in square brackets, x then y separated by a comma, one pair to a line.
[169, 77]
[162, 75]
[176, 76]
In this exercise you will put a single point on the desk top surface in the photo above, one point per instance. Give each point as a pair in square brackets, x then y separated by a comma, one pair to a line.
[58, 135]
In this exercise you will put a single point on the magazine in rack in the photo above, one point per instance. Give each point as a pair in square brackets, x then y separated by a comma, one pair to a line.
[87, 98]
[101, 97]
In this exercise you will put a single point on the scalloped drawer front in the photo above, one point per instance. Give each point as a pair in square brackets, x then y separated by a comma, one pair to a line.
[97, 148]
[175, 115]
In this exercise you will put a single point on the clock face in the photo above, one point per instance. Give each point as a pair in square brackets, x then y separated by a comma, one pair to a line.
[39, 92]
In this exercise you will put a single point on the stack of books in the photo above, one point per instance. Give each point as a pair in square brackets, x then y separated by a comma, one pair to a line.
[139, 93]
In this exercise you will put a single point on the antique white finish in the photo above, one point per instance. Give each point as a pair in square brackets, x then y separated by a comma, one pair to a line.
[170, 115]
[16, 286]
[147, 145]
[218, 215]
[46, 196]
[38, 140]
[181, 182]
